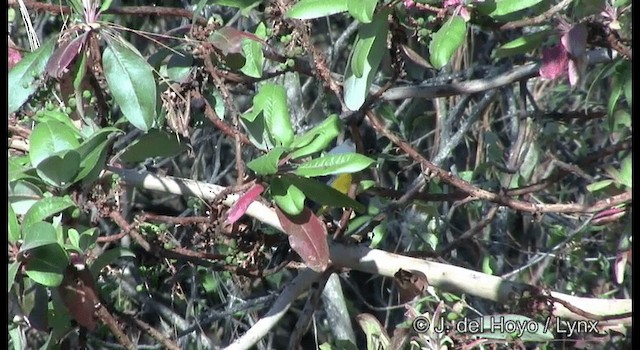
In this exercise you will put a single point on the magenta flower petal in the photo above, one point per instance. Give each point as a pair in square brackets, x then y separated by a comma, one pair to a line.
[554, 62]
[241, 206]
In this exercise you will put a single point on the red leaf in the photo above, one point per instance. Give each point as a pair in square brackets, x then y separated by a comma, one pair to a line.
[307, 237]
[64, 55]
[554, 62]
[79, 295]
[243, 203]
[229, 40]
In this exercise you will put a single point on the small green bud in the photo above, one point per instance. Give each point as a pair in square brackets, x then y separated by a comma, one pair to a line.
[86, 94]
[72, 102]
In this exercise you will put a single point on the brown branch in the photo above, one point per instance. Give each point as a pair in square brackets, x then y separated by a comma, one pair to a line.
[200, 258]
[537, 19]
[111, 238]
[480, 194]
[20, 131]
[105, 316]
[219, 123]
[174, 220]
[471, 232]
[588, 160]
[128, 10]
[578, 311]
[226, 96]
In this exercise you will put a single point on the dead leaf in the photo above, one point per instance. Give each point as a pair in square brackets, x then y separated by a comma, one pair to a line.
[410, 285]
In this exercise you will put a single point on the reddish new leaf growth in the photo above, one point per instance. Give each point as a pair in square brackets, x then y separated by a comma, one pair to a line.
[241, 206]
[307, 237]
[64, 55]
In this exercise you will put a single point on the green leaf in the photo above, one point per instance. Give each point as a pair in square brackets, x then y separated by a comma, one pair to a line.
[179, 67]
[625, 172]
[628, 91]
[155, 143]
[317, 139]
[38, 235]
[362, 10]
[88, 238]
[24, 73]
[598, 185]
[272, 102]
[365, 58]
[19, 167]
[499, 8]
[16, 333]
[530, 162]
[22, 195]
[268, 163]
[46, 265]
[308, 9]
[14, 227]
[12, 272]
[288, 197]
[323, 194]
[60, 117]
[614, 95]
[49, 138]
[74, 238]
[45, 208]
[253, 53]
[368, 35]
[242, 4]
[109, 257]
[130, 80]
[59, 169]
[446, 41]
[93, 153]
[334, 164]
[523, 44]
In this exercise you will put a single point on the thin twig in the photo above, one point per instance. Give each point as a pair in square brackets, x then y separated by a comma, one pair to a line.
[480, 194]
[147, 328]
[128, 10]
[537, 19]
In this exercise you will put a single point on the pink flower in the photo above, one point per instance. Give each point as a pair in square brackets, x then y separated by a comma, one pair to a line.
[409, 3]
[566, 57]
